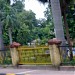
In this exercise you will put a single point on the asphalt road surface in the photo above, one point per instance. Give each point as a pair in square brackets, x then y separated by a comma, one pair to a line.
[34, 72]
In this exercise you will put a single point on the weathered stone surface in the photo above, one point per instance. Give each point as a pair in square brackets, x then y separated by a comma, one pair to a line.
[54, 41]
[54, 51]
[15, 45]
[14, 56]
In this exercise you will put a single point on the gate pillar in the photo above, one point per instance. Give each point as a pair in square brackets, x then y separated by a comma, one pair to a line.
[14, 53]
[54, 51]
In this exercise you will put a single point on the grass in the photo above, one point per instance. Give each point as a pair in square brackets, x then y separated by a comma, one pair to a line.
[68, 62]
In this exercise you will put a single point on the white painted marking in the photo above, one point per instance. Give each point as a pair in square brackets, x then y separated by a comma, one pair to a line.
[26, 72]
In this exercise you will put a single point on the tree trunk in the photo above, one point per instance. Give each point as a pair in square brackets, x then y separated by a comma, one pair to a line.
[2, 53]
[10, 35]
[67, 34]
[56, 12]
[1, 38]
[58, 24]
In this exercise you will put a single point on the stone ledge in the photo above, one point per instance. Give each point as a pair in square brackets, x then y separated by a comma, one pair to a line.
[41, 67]
[67, 68]
[54, 41]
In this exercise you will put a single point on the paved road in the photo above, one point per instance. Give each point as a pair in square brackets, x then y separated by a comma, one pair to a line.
[48, 72]
[34, 72]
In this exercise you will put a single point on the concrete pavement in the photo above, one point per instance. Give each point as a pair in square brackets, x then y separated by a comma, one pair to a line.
[37, 70]
[41, 72]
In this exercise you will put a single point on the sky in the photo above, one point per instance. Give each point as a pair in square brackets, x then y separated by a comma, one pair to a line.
[36, 7]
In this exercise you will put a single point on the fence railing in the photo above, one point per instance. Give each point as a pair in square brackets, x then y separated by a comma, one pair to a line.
[35, 55]
[5, 57]
[65, 55]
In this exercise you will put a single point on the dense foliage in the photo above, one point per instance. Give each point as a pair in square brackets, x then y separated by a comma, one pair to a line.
[24, 25]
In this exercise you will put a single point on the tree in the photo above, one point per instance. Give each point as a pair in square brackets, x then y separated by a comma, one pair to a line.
[48, 14]
[18, 5]
[1, 38]
[49, 21]
[1, 25]
[10, 19]
[64, 7]
[70, 19]
[27, 20]
[14, 18]
[43, 31]
[23, 34]
[56, 11]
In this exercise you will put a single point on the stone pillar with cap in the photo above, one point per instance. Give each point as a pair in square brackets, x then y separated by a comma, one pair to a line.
[54, 51]
[14, 53]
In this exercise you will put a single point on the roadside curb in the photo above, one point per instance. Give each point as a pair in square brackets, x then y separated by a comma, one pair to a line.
[67, 68]
[48, 67]
[39, 67]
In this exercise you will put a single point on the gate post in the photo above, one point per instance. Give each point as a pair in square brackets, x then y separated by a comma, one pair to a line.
[14, 53]
[54, 51]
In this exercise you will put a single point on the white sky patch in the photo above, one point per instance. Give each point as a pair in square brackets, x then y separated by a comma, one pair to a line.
[36, 7]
